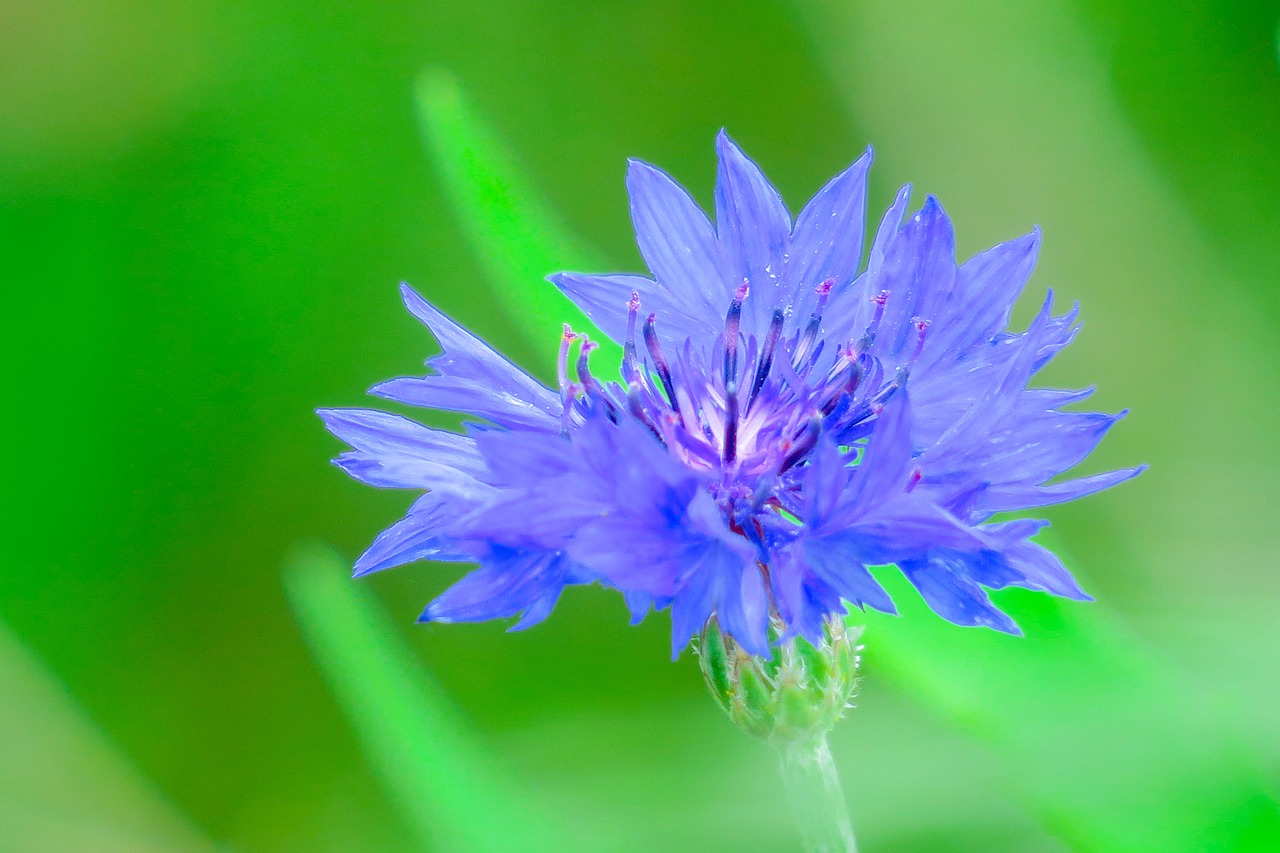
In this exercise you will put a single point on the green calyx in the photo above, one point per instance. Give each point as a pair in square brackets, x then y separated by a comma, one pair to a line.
[796, 694]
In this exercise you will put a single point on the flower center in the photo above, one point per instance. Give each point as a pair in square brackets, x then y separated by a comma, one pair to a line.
[748, 411]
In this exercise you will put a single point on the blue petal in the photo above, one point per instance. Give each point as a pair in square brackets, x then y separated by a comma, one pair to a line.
[1015, 496]
[803, 599]
[420, 535]
[605, 299]
[1034, 450]
[1041, 569]
[507, 583]
[950, 593]
[826, 243]
[753, 229]
[917, 268]
[886, 464]
[717, 584]
[395, 452]
[838, 561]
[678, 243]
[848, 317]
[472, 378]
[986, 287]
[904, 526]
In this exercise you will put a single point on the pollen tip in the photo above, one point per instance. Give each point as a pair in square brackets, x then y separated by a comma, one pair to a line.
[881, 298]
[824, 287]
[569, 334]
[633, 304]
[743, 289]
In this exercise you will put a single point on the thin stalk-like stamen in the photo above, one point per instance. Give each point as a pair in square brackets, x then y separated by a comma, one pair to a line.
[732, 325]
[731, 423]
[630, 359]
[766, 355]
[660, 362]
[807, 441]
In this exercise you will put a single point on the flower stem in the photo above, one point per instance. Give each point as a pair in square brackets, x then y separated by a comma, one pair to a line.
[817, 802]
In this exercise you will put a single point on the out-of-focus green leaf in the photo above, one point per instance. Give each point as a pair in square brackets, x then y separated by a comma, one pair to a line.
[1113, 752]
[446, 784]
[515, 234]
[63, 784]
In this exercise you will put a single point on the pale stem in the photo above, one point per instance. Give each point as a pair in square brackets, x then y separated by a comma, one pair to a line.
[813, 789]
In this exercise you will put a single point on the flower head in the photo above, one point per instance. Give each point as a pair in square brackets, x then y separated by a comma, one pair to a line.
[783, 419]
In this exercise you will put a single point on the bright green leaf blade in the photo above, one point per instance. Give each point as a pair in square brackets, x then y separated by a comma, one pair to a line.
[445, 784]
[63, 784]
[513, 230]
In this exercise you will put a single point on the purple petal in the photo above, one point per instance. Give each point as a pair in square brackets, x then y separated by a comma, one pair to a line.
[420, 535]
[886, 464]
[837, 561]
[826, 243]
[472, 378]
[605, 298]
[917, 269]
[949, 592]
[986, 287]
[753, 231]
[1016, 496]
[677, 242]
[395, 452]
[506, 584]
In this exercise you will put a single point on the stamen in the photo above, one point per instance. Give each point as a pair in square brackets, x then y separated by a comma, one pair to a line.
[805, 343]
[590, 384]
[588, 381]
[915, 478]
[630, 360]
[562, 363]
[921, 327]
[659, 360]
[732, 324]
[847, 363]
[766, 355]
[636, 406]
[731, 423]
[806, 442]
[869, 336]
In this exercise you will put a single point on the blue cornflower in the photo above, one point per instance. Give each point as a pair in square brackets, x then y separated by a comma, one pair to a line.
[782, 421]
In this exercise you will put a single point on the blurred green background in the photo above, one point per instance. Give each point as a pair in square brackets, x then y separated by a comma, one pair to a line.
[205, 209]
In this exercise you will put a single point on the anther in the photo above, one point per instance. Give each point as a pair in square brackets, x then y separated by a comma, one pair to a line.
[562, 363]
[921, 327]
[805, 443]
[731, 423]
[732, 324]
[766, 355]
[869, 336]
[589, 383]
[659, 360]
[848, 364]
[630, 360]
[636, 406]
[804, 346]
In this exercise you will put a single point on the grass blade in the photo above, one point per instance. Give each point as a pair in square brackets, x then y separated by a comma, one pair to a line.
[63, 784]
[444, 782]
[512, 229]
